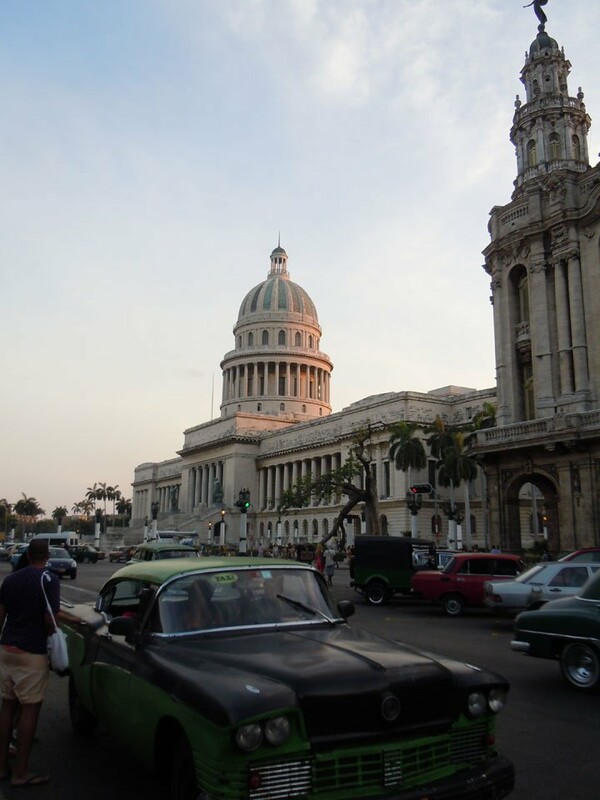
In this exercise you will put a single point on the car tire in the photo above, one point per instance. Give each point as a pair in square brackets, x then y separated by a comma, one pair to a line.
[182, 783]
[82, 721]
[453, 605]
[73, 575]
[376, 593]
[580, 666]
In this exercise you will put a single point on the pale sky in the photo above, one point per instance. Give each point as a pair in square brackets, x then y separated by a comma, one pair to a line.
[151, 151]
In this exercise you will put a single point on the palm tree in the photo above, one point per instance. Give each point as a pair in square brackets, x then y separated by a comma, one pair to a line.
[456, 466]
[112, 495]
[407, 453]
[27, 509]
[485, 418]
[123, 507]
[58, 514]
[91, 494]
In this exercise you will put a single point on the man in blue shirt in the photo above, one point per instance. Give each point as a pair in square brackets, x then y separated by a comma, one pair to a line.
[26, 624]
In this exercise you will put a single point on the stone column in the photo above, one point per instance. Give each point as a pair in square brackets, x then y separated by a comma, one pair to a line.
[564, 332]
[262, 490]
[204, 499]
[580, 363]
[540, 338]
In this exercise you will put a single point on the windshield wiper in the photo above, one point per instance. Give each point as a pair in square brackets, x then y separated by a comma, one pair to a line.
[306, 607]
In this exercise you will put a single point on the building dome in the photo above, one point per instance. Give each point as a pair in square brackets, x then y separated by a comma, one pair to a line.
[541, 43]
[277, 367]
[277, 294]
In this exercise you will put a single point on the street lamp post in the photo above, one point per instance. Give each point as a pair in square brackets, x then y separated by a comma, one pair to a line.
[209, 534]
[222, 528]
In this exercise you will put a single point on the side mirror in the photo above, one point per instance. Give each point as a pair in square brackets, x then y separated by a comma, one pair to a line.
[123, 626]
[346, 608]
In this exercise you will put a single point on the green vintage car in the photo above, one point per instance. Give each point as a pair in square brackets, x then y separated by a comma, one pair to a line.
[568, 631]
[236, 679]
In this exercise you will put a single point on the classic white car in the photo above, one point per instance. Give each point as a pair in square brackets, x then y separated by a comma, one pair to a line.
[546, 581]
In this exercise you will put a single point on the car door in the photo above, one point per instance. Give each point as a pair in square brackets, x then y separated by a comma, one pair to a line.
[471, 577]
[115, 660]
[567, 582]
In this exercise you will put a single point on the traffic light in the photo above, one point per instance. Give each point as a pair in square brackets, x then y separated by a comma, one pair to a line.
[243, 502]
[421, 488]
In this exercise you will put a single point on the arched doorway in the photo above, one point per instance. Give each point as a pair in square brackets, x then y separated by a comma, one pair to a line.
[531, 512]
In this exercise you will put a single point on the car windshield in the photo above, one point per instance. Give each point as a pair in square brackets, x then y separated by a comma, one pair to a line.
[58, 552]
[527, 577]
[243, 598]
[175, 554]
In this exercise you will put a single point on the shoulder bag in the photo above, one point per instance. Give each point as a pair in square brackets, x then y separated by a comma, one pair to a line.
[57, 641]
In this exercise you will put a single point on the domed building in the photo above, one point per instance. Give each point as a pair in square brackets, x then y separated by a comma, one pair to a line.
[277, 367]
[541, 464]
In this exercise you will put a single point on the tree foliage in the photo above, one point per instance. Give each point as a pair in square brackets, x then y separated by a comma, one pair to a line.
[341, 481]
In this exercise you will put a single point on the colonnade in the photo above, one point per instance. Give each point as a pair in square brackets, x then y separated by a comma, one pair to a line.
[202, 485]
[256, 379]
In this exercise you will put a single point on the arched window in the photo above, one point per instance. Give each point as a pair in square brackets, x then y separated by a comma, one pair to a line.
[473, 525]
[554, 144]
[305, 528]
[239, 342]
[304, 409]
[311, 341]
[576, 148]
[259, 407]
[250, 340]
[531, 153]
[298, 339]
[523, 292]
[436, 525]
[325, 527]
[265, 337]
[281, 337]
[383, 522]
[282, 406]
[315, 529]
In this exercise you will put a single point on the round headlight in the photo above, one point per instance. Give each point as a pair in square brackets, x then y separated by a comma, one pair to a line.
[249, 737]
[497, 700]
[277, 730]
[476, 704]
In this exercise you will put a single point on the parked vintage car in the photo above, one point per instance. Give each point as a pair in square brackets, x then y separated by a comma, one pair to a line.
[237, 679]
[460, 583]
[548, 580]
[16, 553]
[567, 631]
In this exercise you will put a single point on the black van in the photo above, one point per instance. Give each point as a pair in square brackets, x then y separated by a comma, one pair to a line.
[384, 565]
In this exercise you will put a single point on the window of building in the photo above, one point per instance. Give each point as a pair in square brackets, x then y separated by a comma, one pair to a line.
[282, 385]
[386, 479]
[265, 337]
[531, 153]
[576, 148]
[304, 409]
[281, 337]
[259, 406]
[554, 144]
[310, 342]
[282, 406]
[298, 339]
[523, 293]
[250, 340]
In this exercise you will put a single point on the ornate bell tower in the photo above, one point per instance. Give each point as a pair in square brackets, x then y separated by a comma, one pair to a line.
[544, 256]
[544, 264]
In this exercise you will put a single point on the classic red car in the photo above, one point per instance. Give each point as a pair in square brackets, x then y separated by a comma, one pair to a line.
[460, 583]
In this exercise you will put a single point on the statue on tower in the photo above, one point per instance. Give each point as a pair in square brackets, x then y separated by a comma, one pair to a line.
[537, 7]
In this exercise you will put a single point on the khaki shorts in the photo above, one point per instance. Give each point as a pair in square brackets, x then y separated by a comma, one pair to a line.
[23, 676]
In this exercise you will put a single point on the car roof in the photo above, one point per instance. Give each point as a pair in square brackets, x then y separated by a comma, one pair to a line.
[159, 571]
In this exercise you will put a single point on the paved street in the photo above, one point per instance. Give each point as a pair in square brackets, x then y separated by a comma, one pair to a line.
[549, 730]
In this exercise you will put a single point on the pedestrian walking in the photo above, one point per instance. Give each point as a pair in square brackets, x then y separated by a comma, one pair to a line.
[25, 624]
[329, 556]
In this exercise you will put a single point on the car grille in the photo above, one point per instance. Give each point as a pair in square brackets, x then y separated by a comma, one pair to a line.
[393, 765]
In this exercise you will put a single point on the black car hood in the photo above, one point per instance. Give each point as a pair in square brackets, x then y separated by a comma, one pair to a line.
[326, 671]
